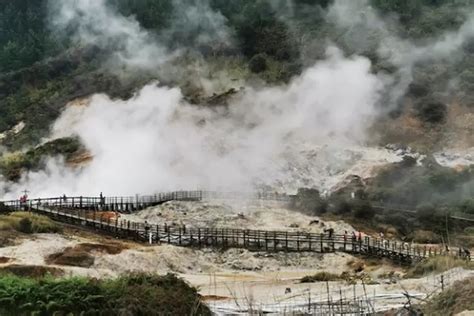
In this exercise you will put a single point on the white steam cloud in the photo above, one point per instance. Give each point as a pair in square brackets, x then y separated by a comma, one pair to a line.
[155, 141]
[93, 22]
[199, 25]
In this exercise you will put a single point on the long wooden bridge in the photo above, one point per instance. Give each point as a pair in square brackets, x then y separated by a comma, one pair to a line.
[89, 212]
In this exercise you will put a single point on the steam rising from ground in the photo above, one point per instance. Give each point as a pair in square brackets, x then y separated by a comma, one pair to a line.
[94, 22]
[155, 141]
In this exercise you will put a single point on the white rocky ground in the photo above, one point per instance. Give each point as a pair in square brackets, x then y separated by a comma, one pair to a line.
[455, 158]
[235, 214]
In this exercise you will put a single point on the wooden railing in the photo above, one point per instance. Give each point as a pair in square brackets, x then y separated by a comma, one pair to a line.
[255, 240]
[130, 204]
[89, 212]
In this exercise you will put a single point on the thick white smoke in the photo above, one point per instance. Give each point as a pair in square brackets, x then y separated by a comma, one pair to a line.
[199, 25]
[156, 141]
[93, 22]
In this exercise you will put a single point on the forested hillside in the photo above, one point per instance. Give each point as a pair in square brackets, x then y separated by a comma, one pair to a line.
[42, 66]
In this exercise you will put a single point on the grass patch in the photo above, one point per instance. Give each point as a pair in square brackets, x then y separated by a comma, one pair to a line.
[437, 265]
[322, 276]
[452, 301]
[29, 223]
[136, 294]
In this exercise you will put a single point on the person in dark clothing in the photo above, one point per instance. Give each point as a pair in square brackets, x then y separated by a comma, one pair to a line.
[467, 254]
[330, 232]
[101, 199]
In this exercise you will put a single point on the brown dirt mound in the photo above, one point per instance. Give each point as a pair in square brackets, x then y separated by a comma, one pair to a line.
[111, 249]
[4, 259]
[31, 271]
[81, 255]
[71, 257]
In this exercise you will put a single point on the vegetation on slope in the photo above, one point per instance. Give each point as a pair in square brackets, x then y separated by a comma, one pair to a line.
[28, 223]
[137, 294]
[456, 299]
[13, 164]
[437, 264]
[40, 70]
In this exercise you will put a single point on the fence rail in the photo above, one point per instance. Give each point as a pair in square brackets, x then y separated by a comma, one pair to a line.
[87, 212]
[129, 204]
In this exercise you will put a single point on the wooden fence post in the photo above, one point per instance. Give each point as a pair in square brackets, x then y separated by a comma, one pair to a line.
[321, 242]
[199, 237]
[274, 242]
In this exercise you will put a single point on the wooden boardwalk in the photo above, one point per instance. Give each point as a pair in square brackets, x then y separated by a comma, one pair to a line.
[88, 212]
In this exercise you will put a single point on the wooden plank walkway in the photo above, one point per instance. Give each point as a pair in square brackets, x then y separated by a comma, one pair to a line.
[87, 212]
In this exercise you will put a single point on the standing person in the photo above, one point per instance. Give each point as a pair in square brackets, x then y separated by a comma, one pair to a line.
[147, 227]
[345, 236]
[147, 232]
[102, 199]
[467, 254]
[330, 232]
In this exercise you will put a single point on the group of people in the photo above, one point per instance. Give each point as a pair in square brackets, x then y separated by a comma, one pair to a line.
[354, 236]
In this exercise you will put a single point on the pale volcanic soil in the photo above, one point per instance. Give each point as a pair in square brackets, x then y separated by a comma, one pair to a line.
[261, 215]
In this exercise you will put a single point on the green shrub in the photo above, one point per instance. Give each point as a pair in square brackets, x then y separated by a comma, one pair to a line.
[27, 222]
[258, 63]
[136, 294]
[25, 225]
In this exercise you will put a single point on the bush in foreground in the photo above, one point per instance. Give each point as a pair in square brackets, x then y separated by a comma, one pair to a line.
[137, 294]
